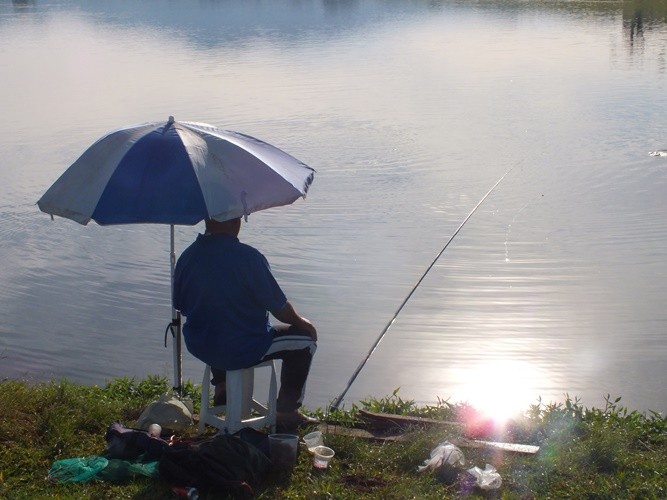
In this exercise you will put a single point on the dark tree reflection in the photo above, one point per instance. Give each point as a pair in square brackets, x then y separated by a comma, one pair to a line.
[640, 16]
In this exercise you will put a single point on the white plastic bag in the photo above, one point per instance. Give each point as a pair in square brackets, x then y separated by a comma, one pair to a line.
[487, 479]
[443, 454]
[169, 412]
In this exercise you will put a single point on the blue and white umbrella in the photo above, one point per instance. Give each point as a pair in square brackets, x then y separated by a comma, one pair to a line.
[176, 173]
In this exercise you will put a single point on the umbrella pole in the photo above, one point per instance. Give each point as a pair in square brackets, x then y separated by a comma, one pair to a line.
[176, 321]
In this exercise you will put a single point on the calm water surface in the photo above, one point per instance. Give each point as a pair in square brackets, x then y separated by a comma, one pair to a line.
[409, 112]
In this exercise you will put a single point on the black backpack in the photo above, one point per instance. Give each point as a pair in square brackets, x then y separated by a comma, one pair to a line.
[224, 463]
[126, 443]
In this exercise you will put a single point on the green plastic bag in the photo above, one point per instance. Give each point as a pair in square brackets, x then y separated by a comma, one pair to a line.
[120, 471]
[76, 470]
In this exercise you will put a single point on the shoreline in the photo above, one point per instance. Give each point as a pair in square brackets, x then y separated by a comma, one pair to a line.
[558, 450]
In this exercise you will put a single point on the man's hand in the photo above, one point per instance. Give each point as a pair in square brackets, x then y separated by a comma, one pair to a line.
[288, 315]
[306, 325]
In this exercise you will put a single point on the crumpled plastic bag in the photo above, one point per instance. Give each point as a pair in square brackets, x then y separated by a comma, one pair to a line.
[169, 412]
[487, 479]
[443, 454]
[76, 470]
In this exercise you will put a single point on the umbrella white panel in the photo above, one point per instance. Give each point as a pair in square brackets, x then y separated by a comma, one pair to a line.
[77, 191]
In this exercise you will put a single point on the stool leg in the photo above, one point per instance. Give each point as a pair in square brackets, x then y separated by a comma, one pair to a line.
[273, 398]
[248, 389]
[205, 398]
[233, 414]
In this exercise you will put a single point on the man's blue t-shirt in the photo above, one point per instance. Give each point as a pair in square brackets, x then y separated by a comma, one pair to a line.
[225, 289]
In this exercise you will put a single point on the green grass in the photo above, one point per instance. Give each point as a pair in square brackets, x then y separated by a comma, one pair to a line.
[609, 452]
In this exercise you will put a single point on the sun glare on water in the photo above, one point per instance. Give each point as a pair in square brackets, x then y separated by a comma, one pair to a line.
[499, 390]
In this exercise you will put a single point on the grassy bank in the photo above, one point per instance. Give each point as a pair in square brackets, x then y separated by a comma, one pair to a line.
[584, 453]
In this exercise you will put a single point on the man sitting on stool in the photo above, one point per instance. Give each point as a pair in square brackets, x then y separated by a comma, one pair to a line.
[226, 290]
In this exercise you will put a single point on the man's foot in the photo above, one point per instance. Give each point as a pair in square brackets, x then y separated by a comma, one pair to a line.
[293, 420]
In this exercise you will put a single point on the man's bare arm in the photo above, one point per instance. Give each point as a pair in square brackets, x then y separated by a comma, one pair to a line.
[289, 316]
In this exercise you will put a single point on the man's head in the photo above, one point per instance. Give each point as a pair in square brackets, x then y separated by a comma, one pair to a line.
[231, 226]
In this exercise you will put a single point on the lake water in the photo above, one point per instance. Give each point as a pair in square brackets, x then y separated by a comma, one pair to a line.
[409, 112]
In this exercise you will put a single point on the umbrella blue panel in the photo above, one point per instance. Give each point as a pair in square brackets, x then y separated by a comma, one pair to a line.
[154, 182]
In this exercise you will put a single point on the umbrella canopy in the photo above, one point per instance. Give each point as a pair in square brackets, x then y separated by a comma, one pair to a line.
[176, 173]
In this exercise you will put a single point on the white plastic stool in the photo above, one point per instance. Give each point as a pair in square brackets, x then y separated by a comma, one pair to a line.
[241, 401]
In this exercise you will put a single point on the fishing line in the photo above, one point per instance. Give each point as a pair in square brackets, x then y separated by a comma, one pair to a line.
[509, 230]
[339, 399]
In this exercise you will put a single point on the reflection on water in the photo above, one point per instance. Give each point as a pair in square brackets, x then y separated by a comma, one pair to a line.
[409, 112]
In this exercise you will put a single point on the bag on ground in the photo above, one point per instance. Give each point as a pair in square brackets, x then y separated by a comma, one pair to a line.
[224, 462]
[169, 412]
[126, 443]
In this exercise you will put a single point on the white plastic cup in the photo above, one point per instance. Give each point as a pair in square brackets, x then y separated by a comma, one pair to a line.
[313, 439]
[322, 455]
[283, 448]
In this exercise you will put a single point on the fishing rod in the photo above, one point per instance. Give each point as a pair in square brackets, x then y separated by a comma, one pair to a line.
[339, 399]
